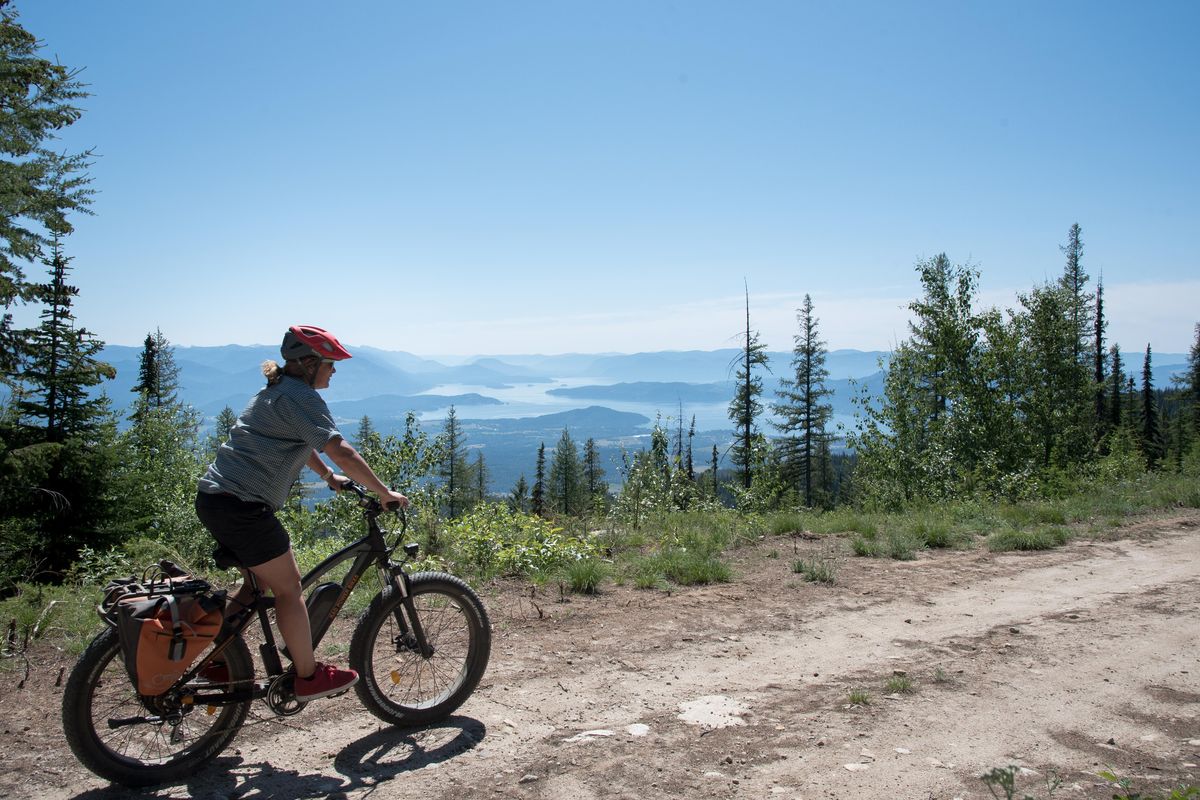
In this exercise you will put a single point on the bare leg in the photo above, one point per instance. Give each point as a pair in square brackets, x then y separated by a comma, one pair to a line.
[242, 597]
[282, 577]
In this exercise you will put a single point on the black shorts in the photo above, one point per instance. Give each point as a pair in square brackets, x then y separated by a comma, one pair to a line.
[250, 530]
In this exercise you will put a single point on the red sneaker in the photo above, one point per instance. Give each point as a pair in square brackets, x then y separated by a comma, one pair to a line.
[327, 681]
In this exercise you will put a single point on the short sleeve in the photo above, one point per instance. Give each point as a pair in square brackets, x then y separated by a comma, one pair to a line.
[310, 418]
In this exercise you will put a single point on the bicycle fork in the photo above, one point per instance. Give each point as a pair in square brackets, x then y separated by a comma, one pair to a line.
[412, 634]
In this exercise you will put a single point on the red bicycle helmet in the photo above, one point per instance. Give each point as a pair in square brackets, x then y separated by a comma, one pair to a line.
[309, 340]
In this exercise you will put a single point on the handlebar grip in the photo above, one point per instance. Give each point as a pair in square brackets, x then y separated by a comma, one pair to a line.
[394, 505]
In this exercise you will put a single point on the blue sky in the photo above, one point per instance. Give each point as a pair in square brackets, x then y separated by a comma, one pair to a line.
[515, 177]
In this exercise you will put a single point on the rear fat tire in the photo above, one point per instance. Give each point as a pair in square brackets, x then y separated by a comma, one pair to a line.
[99, 689]
[399, 685]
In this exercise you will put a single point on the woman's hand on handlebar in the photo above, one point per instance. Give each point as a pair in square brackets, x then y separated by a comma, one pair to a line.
[393, 500]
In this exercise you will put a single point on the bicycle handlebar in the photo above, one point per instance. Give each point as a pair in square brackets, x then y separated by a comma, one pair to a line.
[365, 499]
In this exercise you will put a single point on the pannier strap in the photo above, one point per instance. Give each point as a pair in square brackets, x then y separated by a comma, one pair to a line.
[178, 646]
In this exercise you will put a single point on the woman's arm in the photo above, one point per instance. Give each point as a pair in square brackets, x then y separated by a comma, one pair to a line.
[317, 465]
[355, 467]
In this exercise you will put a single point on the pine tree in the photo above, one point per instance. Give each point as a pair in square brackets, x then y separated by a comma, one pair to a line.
[802, 414]
[518, 499]
[61, 364]
[1131, 405]
[593, 473]
[538, 498]
[453, 469]
[1098, 376]
[39, 186]
[745, 407]
[1193, 381]
[158, 375]
[712, 470]
[1151, 432]
[1116, 380]
[220, 433]
[366, 434]
[566, 489]
[689, 464]
[1074, 282]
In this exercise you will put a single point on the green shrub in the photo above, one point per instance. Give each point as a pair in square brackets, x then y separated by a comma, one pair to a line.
[1039, 538]
[585, 575]
[935, 533]
[495, 540]
[867, 546]
[818, 570]
[784, 522]
[902, 545]
[688, 568]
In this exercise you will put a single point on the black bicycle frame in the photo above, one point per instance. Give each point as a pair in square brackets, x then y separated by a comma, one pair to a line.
[372, 548]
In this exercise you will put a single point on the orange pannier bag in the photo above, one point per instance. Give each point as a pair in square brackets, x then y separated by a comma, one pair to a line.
[163, 625]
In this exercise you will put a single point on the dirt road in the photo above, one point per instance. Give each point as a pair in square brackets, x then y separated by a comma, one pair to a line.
[1062, 662]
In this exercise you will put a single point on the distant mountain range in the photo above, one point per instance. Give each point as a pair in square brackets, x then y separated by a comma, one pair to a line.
[212, 378]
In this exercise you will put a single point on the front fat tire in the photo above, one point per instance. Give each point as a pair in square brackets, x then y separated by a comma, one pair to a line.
[396, 683]
[142, 755]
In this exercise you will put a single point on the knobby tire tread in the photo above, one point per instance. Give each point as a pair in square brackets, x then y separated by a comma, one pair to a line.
[80, 731]
[372, 688]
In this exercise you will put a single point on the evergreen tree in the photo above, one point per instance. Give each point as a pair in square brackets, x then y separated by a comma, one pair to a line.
[366, 433]
[160, 456]
[1098, 376]
[712, 470]
[745, 406]
[453, 469]
[1131, 405]
[566, 491]
[1116, 380]
[158, 375]
[689, 464]
[39, 186]
[518, 499]
[1079, 302]
[802, 413]
[61, 364]
[538, 498]
[1193, 381]
[679, 435]
[593, 473]
[1151, 432]
[482, 477]
[220, 433]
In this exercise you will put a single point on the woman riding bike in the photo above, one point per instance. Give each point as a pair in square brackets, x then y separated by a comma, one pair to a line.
[285, 427]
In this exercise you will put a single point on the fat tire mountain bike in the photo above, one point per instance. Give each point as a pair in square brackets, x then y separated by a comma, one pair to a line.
[420, 649]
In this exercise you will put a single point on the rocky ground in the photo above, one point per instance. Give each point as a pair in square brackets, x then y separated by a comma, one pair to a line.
[1062, 663]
